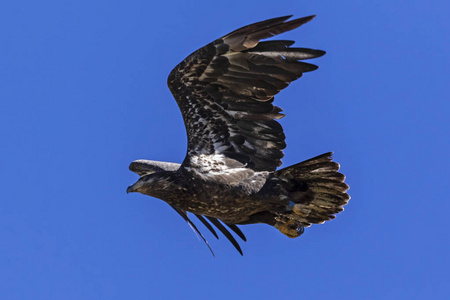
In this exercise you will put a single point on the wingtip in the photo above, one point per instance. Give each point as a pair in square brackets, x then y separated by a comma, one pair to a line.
[302, 20]
[287, 17]
[282, 18]
[320, 53]
[310, 17]
[226, 233]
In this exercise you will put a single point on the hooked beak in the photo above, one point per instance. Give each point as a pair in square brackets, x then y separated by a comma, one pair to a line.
[130, 189]
[135, 187]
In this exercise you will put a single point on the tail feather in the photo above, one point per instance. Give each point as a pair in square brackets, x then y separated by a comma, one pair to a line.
[317, 192]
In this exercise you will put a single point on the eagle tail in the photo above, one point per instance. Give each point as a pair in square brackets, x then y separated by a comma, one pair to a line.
[316, 191]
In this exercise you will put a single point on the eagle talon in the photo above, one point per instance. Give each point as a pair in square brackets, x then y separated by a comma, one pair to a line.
[291, 228]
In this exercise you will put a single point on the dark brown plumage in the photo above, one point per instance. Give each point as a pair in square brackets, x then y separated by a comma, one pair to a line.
[225, 92]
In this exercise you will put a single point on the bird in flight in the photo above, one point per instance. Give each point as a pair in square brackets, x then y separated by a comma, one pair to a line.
[225, 91]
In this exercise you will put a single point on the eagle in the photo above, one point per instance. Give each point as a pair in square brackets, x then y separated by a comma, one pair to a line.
[225, 91]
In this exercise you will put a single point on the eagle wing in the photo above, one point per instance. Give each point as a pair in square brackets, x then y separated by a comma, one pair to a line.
[225, 92]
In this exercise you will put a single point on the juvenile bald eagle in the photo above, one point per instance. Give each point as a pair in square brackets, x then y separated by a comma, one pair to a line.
[225, 92]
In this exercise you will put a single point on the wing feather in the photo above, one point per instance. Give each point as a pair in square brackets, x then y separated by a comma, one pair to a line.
[225, 92]
[226, 233]
[207, 225]
[184, 215]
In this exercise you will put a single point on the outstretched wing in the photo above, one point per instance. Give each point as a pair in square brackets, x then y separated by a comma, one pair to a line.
[225, 92]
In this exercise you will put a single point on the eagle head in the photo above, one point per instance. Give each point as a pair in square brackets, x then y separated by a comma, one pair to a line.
[150, 183]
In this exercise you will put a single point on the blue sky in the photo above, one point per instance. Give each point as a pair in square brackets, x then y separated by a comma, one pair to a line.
[83, 93]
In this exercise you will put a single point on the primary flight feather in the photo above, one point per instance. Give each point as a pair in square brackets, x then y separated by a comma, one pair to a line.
[225, 92]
